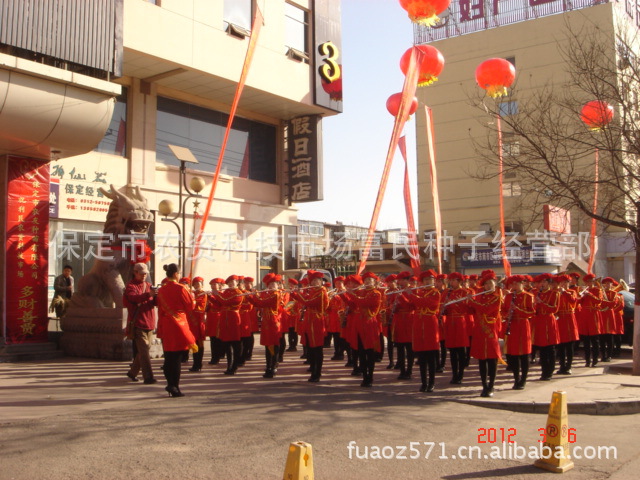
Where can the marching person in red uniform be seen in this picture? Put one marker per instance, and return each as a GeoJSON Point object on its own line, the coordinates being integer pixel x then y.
{"type": "Point", "coordinates": [367, 304]}
{"type": "Point", "coordinates": [517, 310]}
{"type": "Point", "coordinates": [485, 345]}
{"type": "Point", "coordinates": [456, 333]}
{"type": "Point", "coordinates": [387, 314]}
{"type": "Point", "coordinates": [567, 324]}
{"type": "Point", "coordinates": [348, 329]}
{"type": "Point", "coordinates": [442, 288]}
{"type": "Point", "coordinates": [175, 304]}
{"type": "Point", "coordinates": [140, 299]}
{"type": "Point", "coordinates": [589, 318]}
{"type": "Point", "coordinates": [231, 300]}
{"type": "Point", "coordinates": [316, 302]}
{"type": "Point", "coordinates": [291, 320]}
{"type": "Point", "coordinates": [426, 331]}
{"type": "Point", "coordinates": [545, 332]}
{"type": "Point", "coordinates": [300, 325]}
{"type": "Point", "coordinates": [403, 313]}
{"type": "Point", "coordinates": [336, 308]}
{"type": "Point", "coordinates": [214, 311]}
{"type": "Point", "coordinates": [609, 308]}
{"type": "Point", "coordinates": [269, 302]}
{"type": "Point", "coordinates": [246, 312]}
{"type": "Point", "coordinates": [197, 321]}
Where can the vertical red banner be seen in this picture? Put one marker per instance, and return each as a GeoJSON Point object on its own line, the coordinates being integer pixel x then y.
{"type": "Point", "coordinates": [27, 226]}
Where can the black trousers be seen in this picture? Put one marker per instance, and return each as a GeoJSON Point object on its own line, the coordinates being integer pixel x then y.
{"type": "Point", "coordinates": [519, 367]}
{"type": "Point", "coordinates": [458, 362]}
{"type": "Point", "coordinates": [198, 356]}
{"type": "Point", "coordinates": [217, 350]}
{"type": "Point", "coordinates": [488, 369]}
{"type": "Point", "coordinates": [405, 358]}
{"type": "Point", "coordinates": [565, 355]}
{"type": "Point", "coordinates": [338, 344]}
{"type": "Point", "coordinates": [171, 368]}
{"type": "Point", "coordinates": [293, 337]}
{"type": "Point", "coordinates": [271, 358]}
{"type": "Point", "coordinates": [246, 348]}
{"type": "Point", "coordinates": [590, 343]}
{"type": "Point", "coordinates": [316, 358]}
{"type": "Point", "coordinates": [606, 345]}
{"type": "Point", "coordinates": [367, 358]}
{"type": "Point", "coordinates": [233, 350]}
{"type": "Point", "coordinates": [428, 362]}
{"type": "Point", "coordinates": [547, 360]}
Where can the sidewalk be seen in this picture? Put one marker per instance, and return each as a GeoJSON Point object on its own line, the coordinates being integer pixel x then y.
{"type": "Point", "coordinates": [40, 389]}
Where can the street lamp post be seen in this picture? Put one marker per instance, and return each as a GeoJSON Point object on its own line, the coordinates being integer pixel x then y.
{"type": "Point", "coordinates": [165, 207]}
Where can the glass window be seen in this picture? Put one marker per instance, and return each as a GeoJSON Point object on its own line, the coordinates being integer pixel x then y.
{"type": "Point", "coordinates": [115, 140]}
{"type": "Point", "coordinates": [508, 108]}
{"type": "Point", "coordinates": [296, 26]}
{"type": "Point", "coordinates": [251, 148]}
{"type": "Point", "coordinates": [238, 12]}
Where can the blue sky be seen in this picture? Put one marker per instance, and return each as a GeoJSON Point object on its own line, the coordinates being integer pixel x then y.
{"type": "Point", "coordinates": [375, 34]}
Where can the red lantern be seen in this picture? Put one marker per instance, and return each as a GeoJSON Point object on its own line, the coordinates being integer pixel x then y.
{"type": "Point", "coordinates": [596, 114]}
{"type": "Point", "coordinates": [425, 12]}
{"type": "Point", "coordinates": [431, 66]}
{"type": "Point", "coordinates": [334, 89]}
{"type": "Point", "coordinates": [495, 75]}
{"type": "Point", "coordinates": [393, 104]}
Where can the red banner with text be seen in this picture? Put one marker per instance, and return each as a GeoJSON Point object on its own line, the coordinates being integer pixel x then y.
{"type": "Point", "coordinates": [27, 230]}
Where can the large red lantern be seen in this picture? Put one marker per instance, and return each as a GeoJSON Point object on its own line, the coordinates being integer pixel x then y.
{"type": "Point", "coordinates": [596, 114]}
{"type": "Point", "coordinates": [431, 66]}
{"type": "Point", "coordinates": [495, 76]}
{"type": "Point", "coordinates": [425, 12]}
{"type": "Point", "coordinates": [393, 104]}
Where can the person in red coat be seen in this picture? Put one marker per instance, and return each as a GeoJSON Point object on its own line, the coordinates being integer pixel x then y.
{"type": "Point", "coordinates": [456, 333]}
{"type": "Point", "coordinates": [441, 285]}
{"type": "Point", "coordinates": [609, 308]}
{"type": "Point", "coordinates": [214, 311]}
{"type": "Point", "coordinates": [517, 309]}
{"type": "Point", "coordinates": [336, 309]}
{"type": "Point", "coordinates": [403, 313]}
{"type": "Point", "coordinates": [367, 304]}
{"type": "Point", "coordinates": [387, 314]}
{"type": "Point", "coordinates": [290, 320]}
{"type": "Point", "coordinates": [197, 321]}
{"type": "Point", "coordinates": [567, 324]}
{"type": "Point", "coordinates": [348, 328]}
{"type": "Point", "coordinates": [425, 340]}
{"type": "Point", "coordinates": [316, 301]}
{"type": "Point", "coordinates": [269, 303]}
{"type": "Point", "coordinates": [231, 300]}
{"type": "Point", "coordinates": [589, 318]}
{"type": "Point", "coordinates": [545, 335]}
{"type": "Point", "coordinates": [246, 312]}
{"type": "Point", "coordinates": [485, 345]}
{"type": "Point", "coordinates": [140, 300]}
{"type": "Point", "coordinates": [175, 304]}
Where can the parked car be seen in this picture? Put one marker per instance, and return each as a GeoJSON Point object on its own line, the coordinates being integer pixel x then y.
{"type": "Point", "coordinates": [629, 300]}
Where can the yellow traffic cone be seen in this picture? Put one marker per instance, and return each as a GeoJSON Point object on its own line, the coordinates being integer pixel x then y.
{"type": "Point", "coordinates": [299, 462]}
{"type": "Point", "coordinates": [555, 449]}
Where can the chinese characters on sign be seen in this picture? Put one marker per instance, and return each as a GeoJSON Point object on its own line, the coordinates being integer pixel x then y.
{"type": "Point", "coordinates": [27, 250]}
{"type": "Point", "coordinates": [305, 159]}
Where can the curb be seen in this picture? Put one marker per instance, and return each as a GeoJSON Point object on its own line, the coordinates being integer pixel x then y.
{"type": "Point", "coordinates": [598, 407]}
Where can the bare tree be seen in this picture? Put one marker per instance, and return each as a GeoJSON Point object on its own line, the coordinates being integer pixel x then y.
{"type": "Point", "coordinates": [555, 161]}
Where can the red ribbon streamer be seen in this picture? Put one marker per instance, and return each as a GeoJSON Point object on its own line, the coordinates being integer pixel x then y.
{"type": "Point", "coordinates": [408, 92]}
{"type": "Point", "coordinates": [414, 251]}
{"type": "Point", "coordinates": [592, 235]}
{"type": "Point", "coordinates": [253, 40]}
{"type": "Point", "coordinates": [434, 184]}
{"type": "Point", "coordinates": [505, 260]}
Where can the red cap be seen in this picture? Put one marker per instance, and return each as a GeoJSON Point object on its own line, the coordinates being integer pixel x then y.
{"type": "Point", "coordinates": [292, 281]}
{"type": "Point", "coordinates": [474, 276]}
{"type": "Point", "coordinates": [248, 279]}
{"type": "Point", "coordinates": [609, 280]}
{"type": "Point", "coordinates": [269, 278]}
{"type": "Point", "coordinates": [304, 281]}
{"type": "Point", "coordinates": [403, 275]}
{"type": "Point", "coordinates": [216, 280]}
{"type": "Point", "coordinates": [455, 276]}
{"type": "Point", "coordinates": [370, 275]}
{"type": "Point", "coordinates": [391, 278]}
{"type": "Point", "coordinates": [487, 275]}
{"type": "Point", "coordinates": [588, 277]}
{"type": "Point", "coordinates": [232, 277]}
{"type": "Point", "coordinates": [516, 278]}
{"type": "Point", "coordinates": [354, 279]}
{"type": "Point", "coordinates": [528, 278]}
{"type": "Point", "coordinates": [313, 274]}
{"type": "Point", "coordinates": [278, 277]}
{"type": "Point", "coordinates": [544, 277]}
{"type": "Point", "coordinates": [185, 281]}
{"type": "Point", "coordinates": [428, 274]}
{"type": "Point", "coordinates": [197, 279]}
{"type": "Point", "coordinates": [442, 276]}
{"type": "Point", "coordinates": [575, 275]}
{"type": "Point", "coordinates": [338, 279]}
{"type": "Point", "coordinates": [561, 278]}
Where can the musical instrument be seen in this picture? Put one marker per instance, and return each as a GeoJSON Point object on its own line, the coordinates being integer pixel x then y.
{"type": "Point", "coordinates": [510, 313]}
{"type": "Point", "coordinates": [462, 299]}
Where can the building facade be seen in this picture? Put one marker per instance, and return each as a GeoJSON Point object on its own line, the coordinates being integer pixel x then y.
{"type": "Point", "coordinates": [530, 35]}
{"type": "Point", "coordinates": [179, 63]}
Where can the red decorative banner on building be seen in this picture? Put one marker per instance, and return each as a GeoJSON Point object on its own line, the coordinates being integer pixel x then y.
{"type": "Point", "coordinates": [27, 230]}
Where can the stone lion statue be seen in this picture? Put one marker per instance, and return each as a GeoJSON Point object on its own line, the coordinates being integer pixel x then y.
{"type": "Point", "coordinates": [127, 223]}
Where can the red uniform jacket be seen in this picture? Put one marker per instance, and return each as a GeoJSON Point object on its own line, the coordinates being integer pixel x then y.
{"type": "Point", "coordinates": [175, 304]}
{"type": "Point", "coordinates": [545, 331]}
{"type": "Point", "coordinates": [426, 331]}
{"type": "Point", "coordinates": [230, 301]}
{"type": "Point", "coordinates": [456, 327]}
{"type": "Point", "coordinates": [518, 308]}
{"type": "Point", "coordinates": [140, 305]}
{"type": "Point", "coordinates": [487, 325]}
{"type": "Point", "coordinates": [214, 308]}
{"type": "Point", "coordinates": [367, 326]}
{"type": "Point", "coordinates": [269, 302]}
{"type": "Point", "coordinates": [608, 308]}
{"type": "Point", "coordinates": [589, 316]}
{"type": "Point", "coordinates": [316, 302]}
{"type": "Point", "coordinates": [336, 308]}
{"type": "Point", "coordinates": [402, 319]}
{"type": "Point", "coordinates": [567, 324]}
{"type": "Point", "coordinates": [196, 319]}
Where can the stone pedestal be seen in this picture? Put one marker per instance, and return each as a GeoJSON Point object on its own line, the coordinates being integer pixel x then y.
{"type": "Point", "coordinates": [98, 333]}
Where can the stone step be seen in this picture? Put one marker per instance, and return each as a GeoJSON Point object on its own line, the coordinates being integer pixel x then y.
{"type": "Point", "coordinates": [26, 352]}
